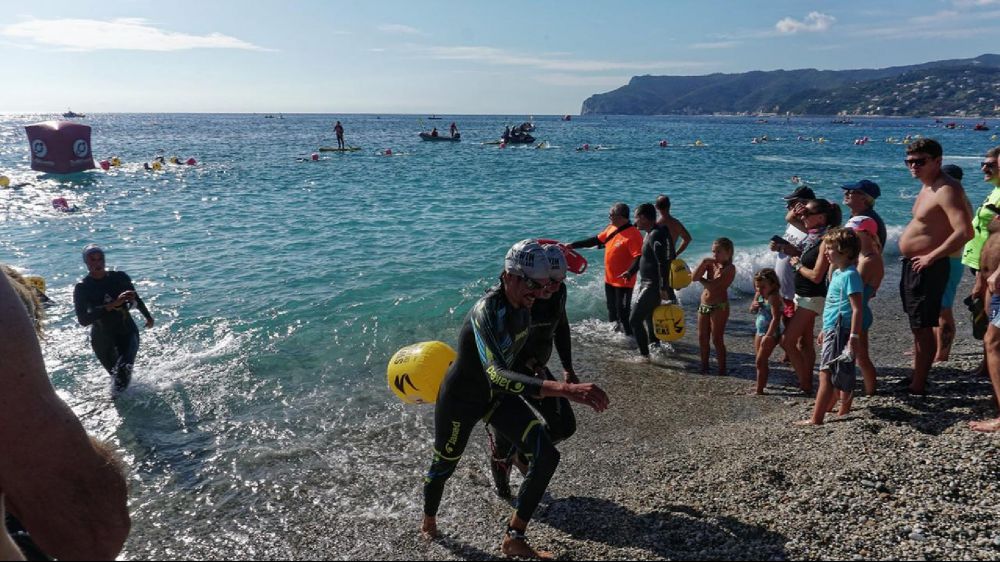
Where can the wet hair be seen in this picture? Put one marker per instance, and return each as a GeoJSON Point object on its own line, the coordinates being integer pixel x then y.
{"type": "Point", "coordinates": [646, 210]}
{"type": "Point", "coordinates": [930, 147]}
{"type": "Point", "coordinates": [28, 297]}
{"type": "Point", "coordinates": [768, 275]}
{"type": "Point", "coordinates": [725, 244]}
{"type": "Point", "coordinates": [844, 241]}
{"type": "Point", "coordinates": [621, 209]}
{"type": "Point", "coordinates": [663, 203]}
{"type": "Point", "coordinates": [993, 152]}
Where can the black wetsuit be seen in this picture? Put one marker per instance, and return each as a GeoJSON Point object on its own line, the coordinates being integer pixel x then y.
{"type": "Point", "coordinates": [113, 334]}
{"type": "Point", "coordinates": [481, 385]}
{"type": "Point", "coordinates": [549, 327]}
{"type": "Point", "coordinates": [654, 274]}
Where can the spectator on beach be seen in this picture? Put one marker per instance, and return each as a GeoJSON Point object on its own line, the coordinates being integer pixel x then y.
{"type": "Point", "coordinates": [815, 217]}
{"type": "Point", "coordinates": [871, 267]}
{"type": "Point", "coordinates": [794, 236]}
{"type": "Point", "coordinates": [716, 274]}
{"type": "Point", "coordinates": [622, 244]}
{"type": "Point", "coordinates": [676, 227]}
{"type": "Point", "coordinates": [980, 222]}
{"type": "Point", "coordinates": [842, 320]}
{"type": "Point", "coordinates": [103, 300]}
{"type": "Point", "coordinates": [481, 384]}
{"type": "Point", "coordinates": [988, 277]}
{"type": "Point", "coordinates": [653, 267]}
{"type": "Point", "coordinates": [767, 306]}
{"type": "Point", "coordinates": [339, 129]}
{"type": "Point", "coordinates": [944, 333]}
{"type": "Point", "coordinates": [860, 198]}
{"type": "Point", "coordinates": [940, 227]}
{"type": "Point", "coordinates": [65, 489]}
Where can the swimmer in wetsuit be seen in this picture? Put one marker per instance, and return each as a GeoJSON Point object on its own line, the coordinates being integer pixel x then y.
{"type": "Point", "coordinates": [102, 301]}
{"type": "Point", "coordinates": [549, 328]}
{"type": "Point", "coordinates": [481, 385]}
{"type": "Point", "coordinates": [653, 267]}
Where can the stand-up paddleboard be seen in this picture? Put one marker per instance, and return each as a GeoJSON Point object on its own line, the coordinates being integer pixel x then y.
{"type": "Point", "coordinates": [335, 149]}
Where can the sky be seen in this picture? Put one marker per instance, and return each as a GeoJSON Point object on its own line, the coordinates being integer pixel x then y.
{"type": "Point", "coordinates": [446, 57]}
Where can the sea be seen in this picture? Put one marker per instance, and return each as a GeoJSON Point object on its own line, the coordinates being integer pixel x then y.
{"type": "Point", "coordinates": [281, 286]}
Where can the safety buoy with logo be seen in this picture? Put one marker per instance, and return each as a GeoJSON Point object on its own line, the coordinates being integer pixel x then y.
{"type": "Point", "coordinates": [416, 371]}
{"type": "Point", "coordinates": [668, 322]}
{"type": "Point", "coordinates": [680, 275]}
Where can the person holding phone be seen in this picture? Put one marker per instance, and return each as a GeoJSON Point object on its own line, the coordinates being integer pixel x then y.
{"type": "Point", "coordinates": [789, 245]}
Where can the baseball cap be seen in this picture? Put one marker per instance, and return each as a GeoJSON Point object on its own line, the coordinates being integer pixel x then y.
{"type": "Point", "coordinates": [527, 259]}
{"type": "Point", "coordinates": [863, 224]}
{"type": "Point", "coordinates": [802, 192]}
{"type": "Point", "coordinates": [869, 188]}
{"type": "Point", "coordinates": [557, 261]}
{"type": "Point", "coordinates": [953, 171]}
{"type": "Point", "coordinates": [91, 249]}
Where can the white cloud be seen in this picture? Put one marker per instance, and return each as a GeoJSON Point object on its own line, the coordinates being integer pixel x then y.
{"type": "Point", "coordinates": [716, 45]}
{"type": "Point", "coordinates": [399, 29]}
{"type": "Point", "coordinates": [814, 22]}
{"type": "Point", "coordinates": [937, 18]}
{"type": "Point", "coordinates": [492, 55]}
{"type": "Point", "coordinates": [130, 34]}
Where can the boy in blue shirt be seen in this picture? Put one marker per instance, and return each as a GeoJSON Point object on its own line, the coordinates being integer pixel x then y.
{"type": "Point", "coordinates": [842, 321]}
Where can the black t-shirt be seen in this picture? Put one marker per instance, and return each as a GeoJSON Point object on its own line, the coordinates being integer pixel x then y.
{"type": "Point", "coordinates": [803, 286]}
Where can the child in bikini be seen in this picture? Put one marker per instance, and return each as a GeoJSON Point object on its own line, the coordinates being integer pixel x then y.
{"type": "Point", "coordinates": [767, 305]}
{"type": "Point", "coordinates": [716, 274]}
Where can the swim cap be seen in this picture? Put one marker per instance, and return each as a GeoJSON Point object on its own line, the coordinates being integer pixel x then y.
{"type": "Point", "coordinates": [557, 261]}
{"type": "Point", "coordinates": [528, 259]}
{"type": "Point", "coordinates": [863, 224]}
{"type": "Point", "coordinates": [91, 249]}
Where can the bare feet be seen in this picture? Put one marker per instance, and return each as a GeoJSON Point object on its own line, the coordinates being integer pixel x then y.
{"type": "Point", "coordinates": [521, 549]}
{"type": "Point", "coordinates": [429, 528]}
{"type": "Point", "coordinates": [755, 390]}
{"type": "Point", "coordinates": [806, 422]}
{"type": "Point", "coordinates": [985, 426]}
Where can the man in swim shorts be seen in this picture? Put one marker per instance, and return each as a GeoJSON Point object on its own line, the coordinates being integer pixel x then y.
{"type": "Point", "coordinates": [481, 384]}
{"type": "Point", "coordinates": [622, 245]}
{"type": "Point", "coordinates": [941, 225]}
{"type": "Point", "coordinates": [549, 328]}
{"type": "Point", "coordinates": [653, 267]}
{"type": "Point", "coordinates": [103, 300]}
{"type": "Point", "coordinates": [945, 332]}
{"type": "Point", "coordinates": [676, 227]}
{"type": "Point", "coordinates": [339, 129]}
{"type": "Point", "coordinates": [989, 273]}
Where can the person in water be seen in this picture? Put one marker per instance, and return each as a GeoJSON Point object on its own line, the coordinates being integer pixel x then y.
{"type": "Point", "coordinates": [549, 329]}
{"type": "Point", "coordinates": [675, 226]}
{"type": "Point", "coordinates": [453, 130]}
{"type": "Point", "coordinates": [622, 244]}
{"type": "Point", "coordinates": [481, 384]}
{"type": "Point", "coordinates": [716, 274]}
{"type": "Point", "coordinates": [339, 129]}
{"type": "Point", "coordinates": [102, 301]}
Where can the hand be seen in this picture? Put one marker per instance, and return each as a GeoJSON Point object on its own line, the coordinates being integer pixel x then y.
{"type": "Point", "coordinates": [626, 275]}
{"type": "Point", "coordinates": [993, 282]}
{"type": "Point", "coordinates": [664, 295]}
{"type": "Point", "coordinates": [569, 376]}
{"type": "Point", "coordinates": [589, 394]}
{"type": "Point", "coordinates": [794, 261]}
{"type": "Point", "coordinates": [921, 263]}
{"type": "Point", "coordinates": [707, 262]}
{"type": "Point", "coordinates": [755, 307]}
{"type": "Point", "coordinates": [819, 339]}
{"type": "Point", "coordinates": [127, 296]}
{"type": "Point", "coordinates": [149, 323]}
{"type": "Point", "coordinates": [775, 247]}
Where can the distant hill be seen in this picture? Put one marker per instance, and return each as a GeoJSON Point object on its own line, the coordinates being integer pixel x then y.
{"type": "Point", "coordinates": [949, 87]}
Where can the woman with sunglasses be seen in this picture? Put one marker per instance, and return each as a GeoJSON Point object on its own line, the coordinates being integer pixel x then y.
{"type": "Point", "coordinates": [815, 217]}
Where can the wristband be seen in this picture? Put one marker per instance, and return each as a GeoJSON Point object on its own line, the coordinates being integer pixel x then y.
{"type": "Point", "coordinates": [855, 336]}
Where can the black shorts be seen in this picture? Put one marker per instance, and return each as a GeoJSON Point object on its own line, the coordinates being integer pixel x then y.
{"type": "Point", "coordinates": [921, 292]}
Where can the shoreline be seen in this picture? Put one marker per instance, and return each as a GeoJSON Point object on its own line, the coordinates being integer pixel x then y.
{"type": "Point", "coordinates": [686, 466]}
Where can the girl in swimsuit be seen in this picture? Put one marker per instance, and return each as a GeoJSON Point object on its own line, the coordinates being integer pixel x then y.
{"type": "Point", "coordinates": [716, 274]}
{"type": "Point", "coordinates": [767, 305]}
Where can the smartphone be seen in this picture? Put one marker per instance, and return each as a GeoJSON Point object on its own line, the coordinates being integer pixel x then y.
{"type": "Point", "coordinates": [779, 240]}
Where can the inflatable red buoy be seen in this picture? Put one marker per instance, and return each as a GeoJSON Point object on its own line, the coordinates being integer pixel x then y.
{"type": "Point", "coordinates": [60, 147]}
{"type": "Point", "coordinates": [60, 204]}
{"type": "Point", "coordinates": [575, 262]}
{"type": "Point", "coordinates": [663, 143]}
{"type": "Point", "coordinates": [105, 165]}
{"type": "Point", "coordinates": [315, 157]}
{"type": "Point", "coordinates": [191, 162]}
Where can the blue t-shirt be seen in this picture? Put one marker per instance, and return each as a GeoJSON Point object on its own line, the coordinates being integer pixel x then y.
{"type": "Point", "coordinates": [844, 283]}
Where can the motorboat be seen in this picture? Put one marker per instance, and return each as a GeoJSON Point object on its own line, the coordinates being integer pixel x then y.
{"type": "Point", "coordinates": [430, 137]}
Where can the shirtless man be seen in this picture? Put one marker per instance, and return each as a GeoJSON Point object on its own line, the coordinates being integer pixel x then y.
{"type": "Point", "coordinates": [989, 279]}
{"type": "Point", "coordinates": [941, 225]}
{"type": "Point", "coordinates": [65, 491]}
{"type": "Point", "coordinates": [675, 226]}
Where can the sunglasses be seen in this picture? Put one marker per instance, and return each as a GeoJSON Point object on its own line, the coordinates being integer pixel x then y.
{"type": "Point", "coordinates": [535, 285]}
{"type": "Point", "coordinates": [987, 165]}
{"type": "Point", "coordinates": [853, 192]}
{"type": "Point", "coordinates": [915, 162]}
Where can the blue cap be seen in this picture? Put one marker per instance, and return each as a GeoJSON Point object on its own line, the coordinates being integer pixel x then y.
{"type": "Point", "coordinates": [869, 188]}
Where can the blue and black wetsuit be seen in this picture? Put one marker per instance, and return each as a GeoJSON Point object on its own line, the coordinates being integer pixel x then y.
{"type": "Point", "coordinates": [654, 274]}
{"type": "Point", "coordinates": [113, 334]}
{"type": "Point", "coordinates": [482, 385]}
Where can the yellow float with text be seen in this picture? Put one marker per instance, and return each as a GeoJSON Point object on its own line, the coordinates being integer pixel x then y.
{"type": "Point", "coordinates": [668, 322]}
{"type": "Point", "coordinates": [680, 275]}
{"type": "Point", "coordinates": [416, 371]}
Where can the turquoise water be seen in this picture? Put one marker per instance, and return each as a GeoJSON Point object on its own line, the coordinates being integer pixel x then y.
{"type": "Point", "coordinates": [281, 288]}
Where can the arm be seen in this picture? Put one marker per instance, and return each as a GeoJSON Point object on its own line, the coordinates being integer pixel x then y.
{"type": "Point", "coordinates": [699, 272]}
{"type": "Point", "coordinates": [685, 238]}
{"type": "Point", "coordinates": [952, 202]}
{"type": "Point", "coordinates": [754, 305]}
{"type": "Point", "coordinates": [632, 269]}
{"type": "Point", "coordinates": [496, 353]}
{"type": "Point", "coordinates": [817, 274]}
{"type": "Point", "coordinates": [662, 252]}
{"type": "Point", "coordinates": [777, 307]}
{"type": "Point", "coordinates": [564, 347]}
{"type": "Point", "coordinates": [73, 503]}
{"type": "Point", "coordinates": [723, 281]}
{"type": "Point", "coordinates": [85, 314]}
{"type": "Point", "coordinates": [586, 243]}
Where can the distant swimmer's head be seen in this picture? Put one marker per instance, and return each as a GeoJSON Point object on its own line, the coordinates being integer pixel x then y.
{"type": "Point", "coordinates": [93, 256]}
{"type": "Point", "coordinates": [526, 273]}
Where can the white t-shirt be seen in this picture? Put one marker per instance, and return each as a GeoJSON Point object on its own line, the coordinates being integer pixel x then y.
{"type": "Point", "coordinates": [786, 275]}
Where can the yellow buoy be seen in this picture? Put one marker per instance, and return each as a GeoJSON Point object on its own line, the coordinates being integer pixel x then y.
{"type": "Point", "coordinates": [416, 371]}
{"type": "Point", "coordinates": [157, 166]}
{"type": "Point", "coordinates": [116, 161]}
{"type": "Point", "coordinates": [36, 281]}
{"type": "Point", "coordinates": [680, 275]}
{"type": "Point", "coordinates": [4, 181]}
{"type": "Point", "coordinates": [668, 322]}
